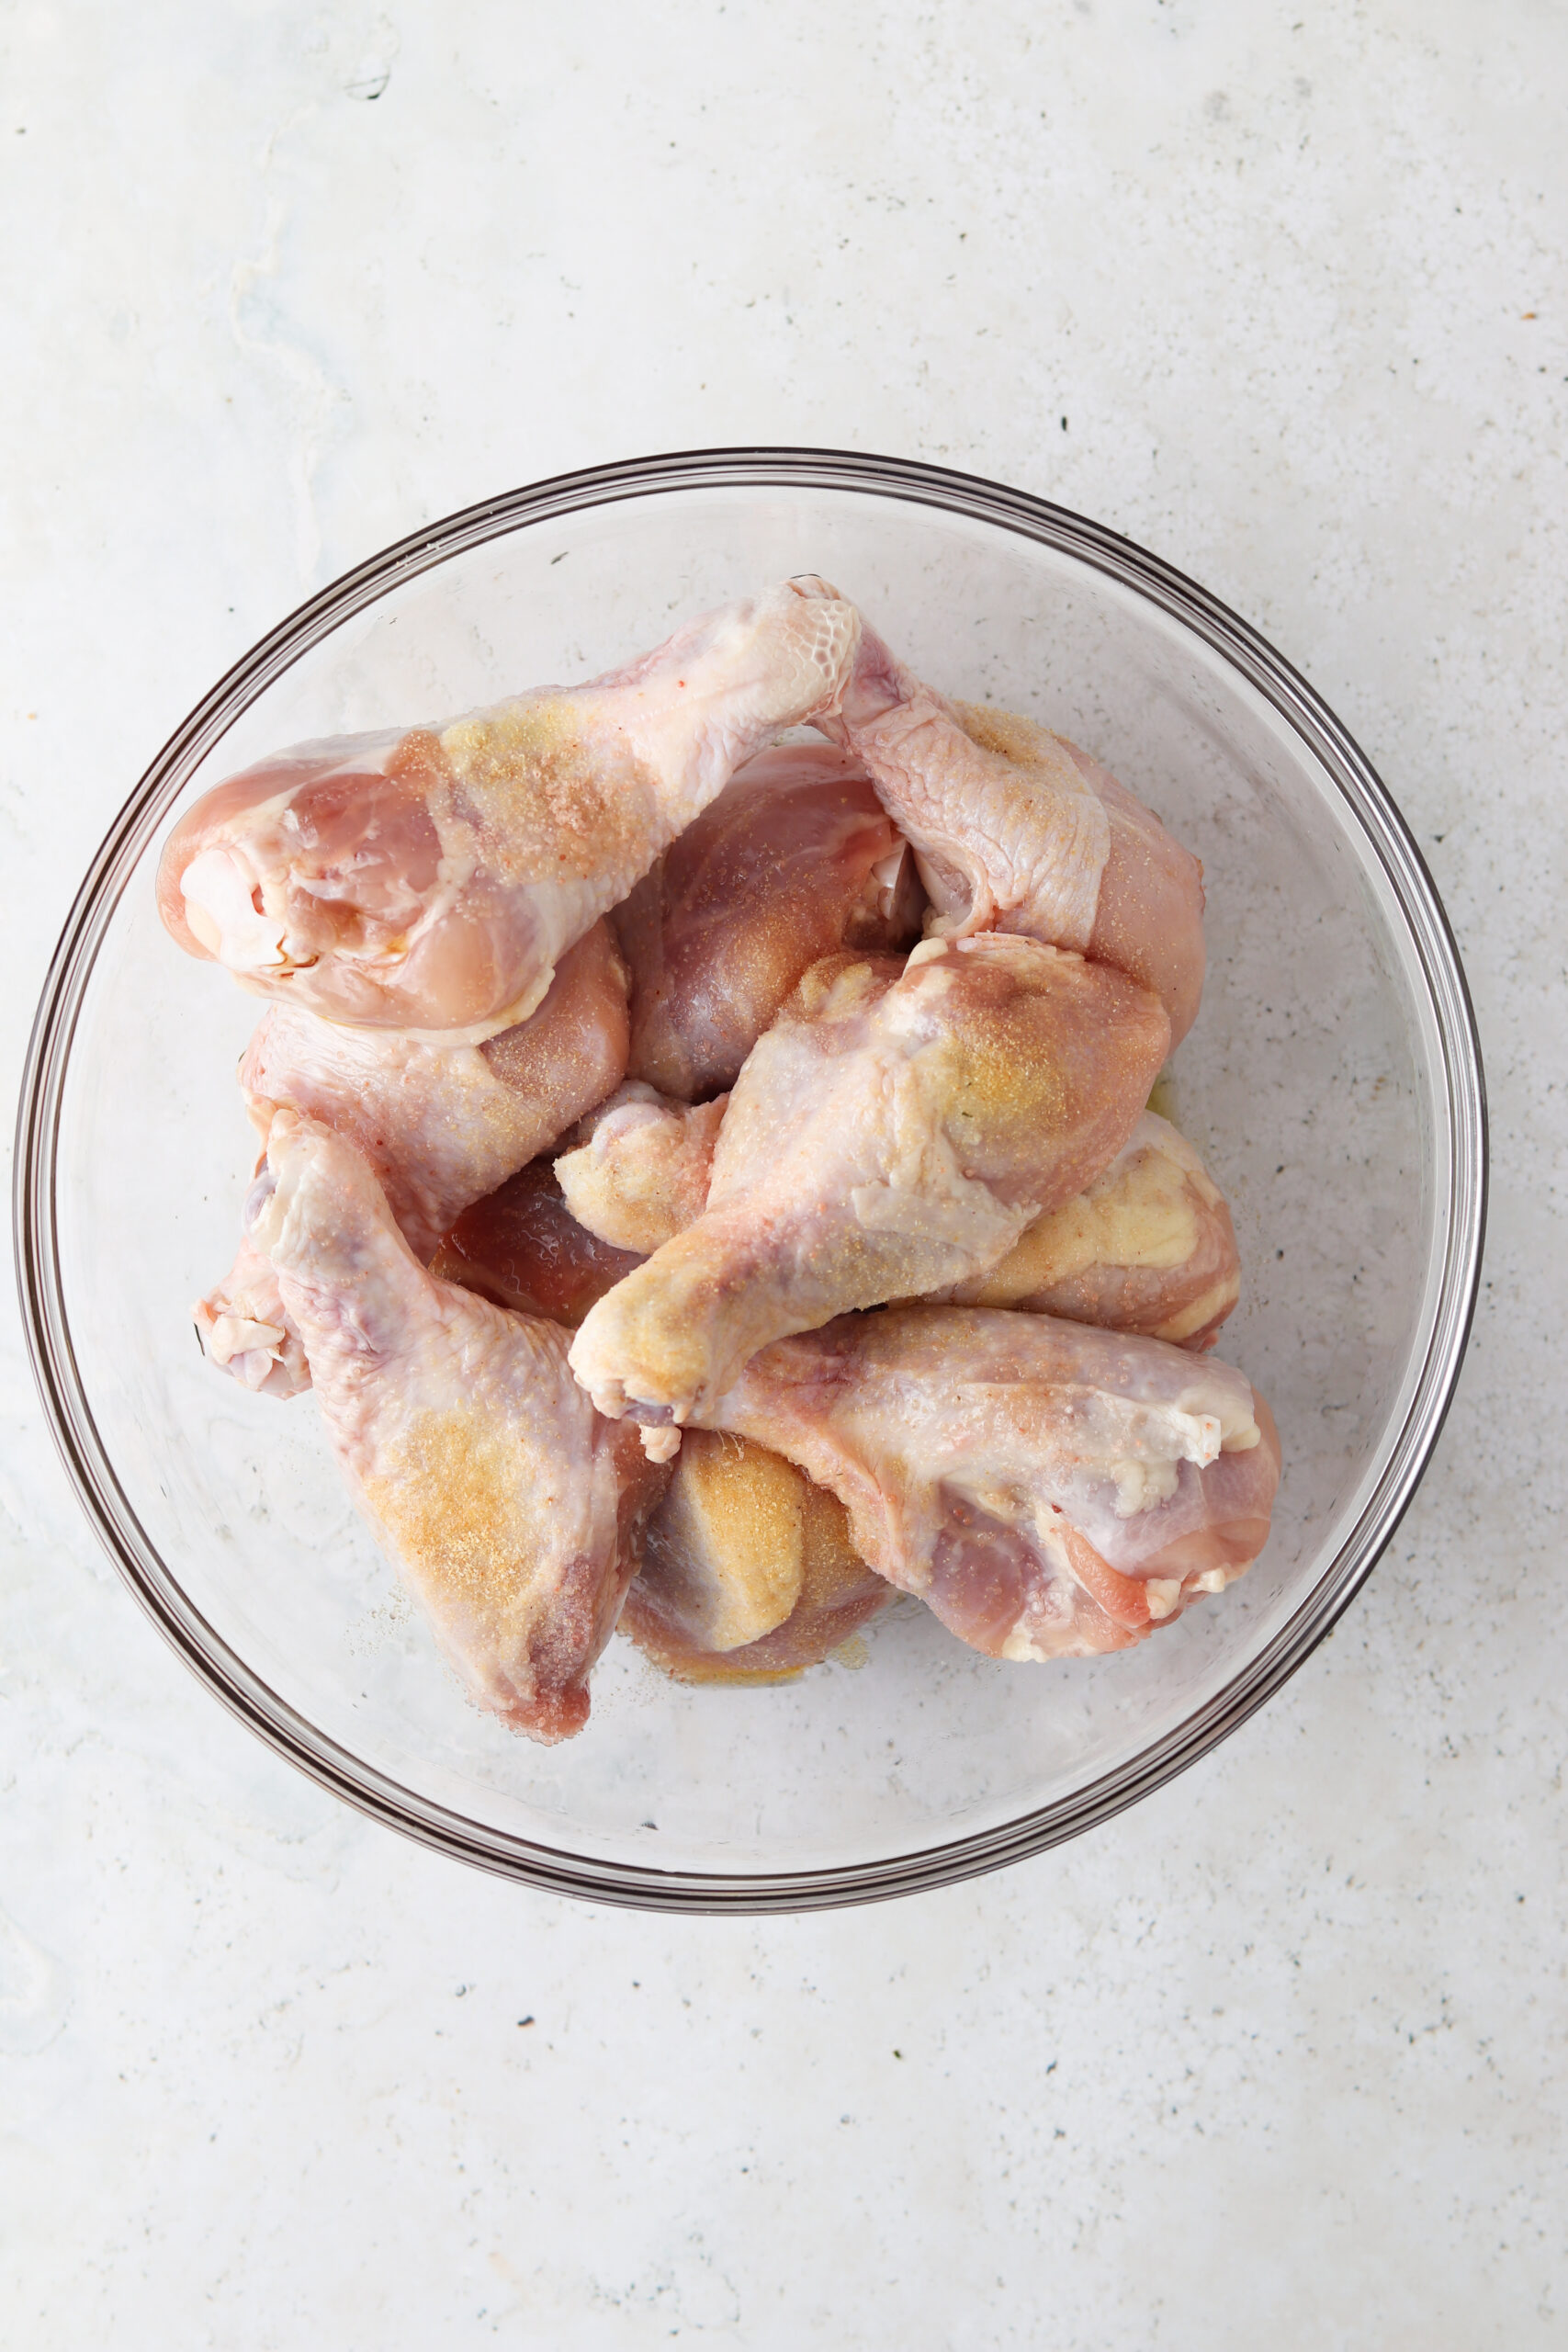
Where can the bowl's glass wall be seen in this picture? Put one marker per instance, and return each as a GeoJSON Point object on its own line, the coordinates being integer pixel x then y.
{"type": "Point", "coordinates": [1307, 1084]}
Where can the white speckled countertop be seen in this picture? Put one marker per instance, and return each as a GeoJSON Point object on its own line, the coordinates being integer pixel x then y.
{"type": "Point", "coordinates": [1278, 291]}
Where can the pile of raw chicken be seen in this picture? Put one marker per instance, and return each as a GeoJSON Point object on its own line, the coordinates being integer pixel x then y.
{"type": "Point", "coordinates": [706, 1173]}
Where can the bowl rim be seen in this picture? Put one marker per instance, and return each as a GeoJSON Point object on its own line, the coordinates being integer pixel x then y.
{"type": "Point", "coordinates": [637, 1884]}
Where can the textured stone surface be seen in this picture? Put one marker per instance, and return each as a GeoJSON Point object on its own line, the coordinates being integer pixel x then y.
{"type": "Point", "coordinates": [1279, 2055]}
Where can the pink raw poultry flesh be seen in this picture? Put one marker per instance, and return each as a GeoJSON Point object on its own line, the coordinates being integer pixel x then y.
{"type": "Point", "coordinates": [430, 879]}
{"type": "Point", "coordinates": [791, 1122]}
{"type": "Point", "coordinates": [896, 1129]}
{"type": "Point", "coordinates": [797, 857]}
{"type": "Point", "coordinates": [521, 1247]}
{"type": "Point", "coordinates": [1048, 1490]}
{"type": "Point", "coordinates": [748, 1573]}
{"type": "Point", "coordinates": [441, 1126]}
{"type": "Point", "coordinates": [1147, 1247]}
{"type": "Point", "coordinates": [1018, 829]}
{"type": "Point", "coordinates": [514, 1513]}
{"type": "Point", "coordinates": [639, 1168]}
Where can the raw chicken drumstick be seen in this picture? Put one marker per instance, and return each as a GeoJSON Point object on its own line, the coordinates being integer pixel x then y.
{"type": "Point", "coordinates": [641, 1172]}
{"type": "Point", "coordinates": [747, 1574]}
{"type": "Point", "coordinates": [797, 857]}
{"type": "Point", "coordinates": [513, 1512]}
{"type": "Point", "coordinates": [522, 1248]}
{"type": "Point", "coordinates": [245, 1329]}
{"type": "Point", "coordinates": [441, 1126]}
{"type": "Point", "coordinates": [1148, 1246]}
{"type": "Point", "coordinates": [1017, 829]}
{"type": "Point", "coordinates": [896, 1129]}
{"type": "Point", "coordinates": [1049, 1490]}
{"type": "Point", "coordinates": [553, 1241]}
{"type": "Point", "coordinates": [431, 879]}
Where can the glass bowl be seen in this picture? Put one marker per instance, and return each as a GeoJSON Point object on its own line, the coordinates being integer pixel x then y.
{"type": "Point", "coordinates": [1333, 1083]}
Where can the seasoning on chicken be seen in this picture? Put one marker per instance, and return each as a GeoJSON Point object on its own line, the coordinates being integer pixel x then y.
{"type": "Point", "coordinates": [795, 859]}
{"type": "Point", "coordinates": [1047, 1489]}
{"type": "Point", "coordinates": [431, 879]}
{"type": "Point", "coordinates": [1016, 829]}
{"type": "Point", "coordinates": [515, 1514]}
{"type": "Point", "coordinates": [748, 1573]}
{"type": "Point", "coordinates": [893, 1131]}
{"type": "Point", "coordinates": [1147, 1247]}
{"type": "Point", "coordinates": [640, 1174]}
{"type": "Point", "coordinates": [1028, 1434]}
{"type": "Point", "coordinates": [441, 1126]}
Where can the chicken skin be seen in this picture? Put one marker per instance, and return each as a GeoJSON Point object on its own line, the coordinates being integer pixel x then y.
{"type": "Point", "coordinates": [515, 1514]}
{"type": "Point", "coordinates": [522, 1248]}
{"type": "Point", "coordinates": [1017, 829]}
{"type": "Point", "coordinates": [641, 1172]}
{"type": "Point", "coordinates": [1147, 1247]}
{"type": "Point", "coordinates": [1049, 1490]}
{"type": "Point", "coordinates": [748, 1573]}
{"type": "Point", "coordinates": [441, 1126]}
{"type": "Point", "coordinates": [429, 880]}
{"type": "Point", "coordinates": [894, 1131]}
{"type": "Point", "coordinates": [795, 858]}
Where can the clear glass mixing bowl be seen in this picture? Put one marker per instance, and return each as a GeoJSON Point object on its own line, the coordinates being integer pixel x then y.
{"type": "Point", "coordinates": [1333, 1083]}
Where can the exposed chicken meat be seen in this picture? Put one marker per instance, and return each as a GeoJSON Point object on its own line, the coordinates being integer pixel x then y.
{"type": "Point", "coordinates": [1148, 1246]}
{"type": "Point", "coordinates": [441, 1126]}
{"type": "Point", "coordinates": [748, 1573]}
{"type": "Point", "coordinates": [515, 1514]}
{"type": "Point", "coordinates": [1016, 829]}
{"type": "Point", "coordinates": [1049, 1490]}
{"type": "Point", "coordinates": [247, 1330]}
{"type": "Point", "coordinates": [522, 1248]}
{"type": "Point", "coordinates": [640, 1175]}
{"type": "Point", "coordinates": [894, 1130]}
{"type": "Point", "coordinates": [430, 880]}
{"type": "Point", "coordinates": [795, 858]}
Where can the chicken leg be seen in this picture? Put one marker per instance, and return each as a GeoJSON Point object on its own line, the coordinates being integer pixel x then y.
{"type": "Point", "coordinates": [1147, 1247]}
{"type": "Point", "coordinates": [795, 859]}
{"type": "Point", "coordinates": [894, 1130]}
{"type": "Point", "coordinates": [430, 879]}
{"type": "Point", "coordinates": [748, 1573]}
{"type": "Point", "coordinates": [1017, 829]}
{"type": "Point", "coordinates": [513, 1512]}
{"type": "Point", "coordinates": [1049, 1490]}
{"type": "Point", "coordinates": [441, 1126]}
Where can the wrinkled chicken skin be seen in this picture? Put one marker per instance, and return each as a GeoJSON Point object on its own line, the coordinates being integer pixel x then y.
{"type": "Point", "coordinates": [1016, 829]}
{"type": "Point", "coordinates": [640, 1175]}
{"type": "Point", "coordinates": [894, 1130]}
{"type": "Point", "coordinates": [1148, 1248]}
{"type": "Point", "coordinates": [795, 858]}
{"type": "Point", "coordinates": [522, 1248]}
{"type": "Point", "coordinates": [1048, 1490]}
{"type": "Point", "coordinates": [749, 1575]}
{"type": "Point", "coordinates": [441, 1126]}
{"type": "Point", "coordinates": [515, 1514]}
{"type": "Point", "coordinates": [430, 880]}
